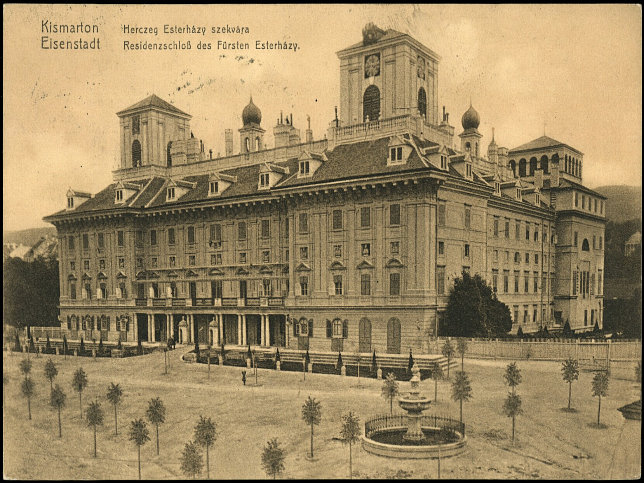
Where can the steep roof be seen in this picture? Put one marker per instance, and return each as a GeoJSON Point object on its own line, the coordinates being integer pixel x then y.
{"type": "Point", "coordinates": [152, 101]}
{"type": "Point", "coordinates": [540, 143]}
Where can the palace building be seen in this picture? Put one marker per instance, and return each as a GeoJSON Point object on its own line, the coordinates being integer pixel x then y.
{"type": "Point", "coordinates": [349, 243]}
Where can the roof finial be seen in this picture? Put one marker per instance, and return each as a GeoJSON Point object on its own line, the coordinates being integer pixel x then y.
{"type": "Point", "coordinates": [492, 134]}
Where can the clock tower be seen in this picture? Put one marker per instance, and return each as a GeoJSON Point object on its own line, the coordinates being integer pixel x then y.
{"type": "Point", "coordinates": [388, 74]}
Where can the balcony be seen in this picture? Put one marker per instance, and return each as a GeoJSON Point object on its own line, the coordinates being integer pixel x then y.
{"type": "Point", "coordinates": [275, 301]}
{"type": "Point", "coordinates": [252, 301]}
{"type": "Point", "coordinates": [229, 302]}
{"type": "Point", "coordinates": [158, 303]}
{"type": "Point", "coordinates": [141, 302]}
{"type": "Point", "coordinates": [202, 302]}
{"type": "Point", "coordinates": [178, 302]}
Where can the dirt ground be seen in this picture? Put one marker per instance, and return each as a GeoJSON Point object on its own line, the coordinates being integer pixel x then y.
{"type": "Point", "coordinates": [550, 443]}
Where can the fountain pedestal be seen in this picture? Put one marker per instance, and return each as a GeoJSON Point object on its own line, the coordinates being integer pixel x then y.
{"type": "Point", "coordinates": [414, 404]}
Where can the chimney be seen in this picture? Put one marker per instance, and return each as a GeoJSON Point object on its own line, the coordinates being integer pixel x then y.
{"type": "Point", "coordinates": [229, 141]}
{"type": "Point", "coordinates": [554, 177]}
{"type": "Point", "coordinates": [210, 150]}
{"type": "Point", "coordinates": [309, 133]}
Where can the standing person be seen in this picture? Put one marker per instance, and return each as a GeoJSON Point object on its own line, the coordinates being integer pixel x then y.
{"type": "Point", "coordinates": [244, 377]}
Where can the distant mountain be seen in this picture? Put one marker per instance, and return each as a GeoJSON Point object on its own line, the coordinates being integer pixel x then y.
{"type": "Point", "coordinates": [624, 202]}
{"type": "Point", "coordinates": [27, 237]}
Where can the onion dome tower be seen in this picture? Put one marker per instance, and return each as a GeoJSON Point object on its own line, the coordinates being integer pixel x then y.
{"type": "Point", "coordinates": [470, 137]}
{"type": "Point", "coordinates": [251, 135]}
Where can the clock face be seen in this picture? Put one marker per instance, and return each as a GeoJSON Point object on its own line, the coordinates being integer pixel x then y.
{"type": "Point", "coordinates": [372, 65]}
{"type": "Point", "coordinates": [420, 67]}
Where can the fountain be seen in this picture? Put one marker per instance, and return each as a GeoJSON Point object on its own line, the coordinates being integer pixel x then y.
{"type": "Point", "coordinates": [414, 435]}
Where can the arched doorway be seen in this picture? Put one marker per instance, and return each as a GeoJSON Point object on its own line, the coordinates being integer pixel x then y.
{"type": "Point", "coordinates": [364, 335]}
{"type": "Point", "coordinates": [393, 336]}
{"type": "Point", "coordinates": [371, 104]}
{"type": "Point", "coordinates": [522, 166]}
{"type": "Point", "coordinates": [422, 102]}
{"type": "Point", "coordinates": [136, 154]}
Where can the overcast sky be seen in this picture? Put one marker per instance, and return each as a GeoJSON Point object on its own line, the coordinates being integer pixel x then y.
{"type": "Point", "coordinates": [578, 69]}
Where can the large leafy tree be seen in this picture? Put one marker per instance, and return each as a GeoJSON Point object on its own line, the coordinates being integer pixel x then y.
{"type": "Point", "coordinates": [156, 415]}
{"type": "Point", "coordinates": [350, 434]}
{"type": "Point", "coordinates": [474, 311]}
{"type": "Point", "coordinates": [191, 460]}
{"type": "Point", "coordinates": [312, 415]}
{"type": "Point", "coordinates": [461, 390]}
{"type": "Point", "coordinates": [114, 396]}
{"type": "Point", "coordinates": [600, 388]}
{"type": "Point", "coordinates": [390, 390]}
{"type": "Point", "coordinates": [57, 401]}
{"type": "Point", "coordinates": [206, 435]}
{"type": "Point", "coordinates": [139, 435]}
{"type": "Point", "coordinates": [79, 382]}
{"type": "Point", "coordinates": [570, 373]}
{"type": "Point", "coordinates": [51, 372]}
{"type": "Point", "coordinates": [273, 458]}
{"type": "Point", "coordinates": [94, 419]}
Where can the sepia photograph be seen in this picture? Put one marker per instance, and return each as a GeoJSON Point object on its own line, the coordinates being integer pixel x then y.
{"type": "Point", "coordinates": [322, 241]}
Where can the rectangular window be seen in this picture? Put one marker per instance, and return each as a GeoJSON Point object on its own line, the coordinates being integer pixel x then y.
{"type": "Point", "coordinates": [394, 214]}
{"type": "Point", "coordinates": [191, 235]}
{"type": "Point", "coordinates": [527, 231]}
{"type": "Point", "coordinates": [304, 223]}
{"type": "Point", "coordinates": [267, 290]}
{"type": "Point", "coordinates": [468, 216]}
{"type": "Point", "coordinates": [215, 259]}
{"type": "Point", "coordinates": [101, 264]}
{"type": "Point", "coordinates": [365, 284]}
{"type": "Point", "coordinates": [535, 279]}
{"type": "Point", "coordinates": [516, 314]}
{"type": "Point", "coordinates": [583, 204]}
{"type": "Point", "coordinates": [101, 241]}
{"type": "Point", "coordinates": [365, 249]}
{"type": "Point", "coordinates": [517, 257]}
{"type": "Point", "coordinates": [441, 214]}
{"type": "Point", "coordinates": [536, 235]}
{"type": "Point", "coordinates": [601, 243]}
{"type": "Point", "coordinates": [395, 247]}
{"type": "Point", "coordinates": [516, 281]}
{"type": "Point", "coordinates": [526, 282]}
{"type": "Point", "coordinates": [170, 236]}
{"type": "Point", "coordinates": [517, 231]}
{"type": "Point", "coordinates": [495, 280]}
{"type": "Point", "coordinates": [599, 282]}
{"type": "Point", "coordinates": [72, 266]}
{"type": "Point", "coordinates": [575, 276]}
{"type": "Point", "coordinates": [525, 314]}
{"type": "Point", "coordinates": [215, 235]}
{"type": "Point", "coordinates": [440, 280]}
{"type": "Point", "coordinates": [214, 187]}
{"type": "Point", "coordinates": [85, 264]}
{"type": "Point", "coordinates": [527, 257]}
{"type": "Point", "coordinates": [139, 263]}
{"type": "Point", "coordinates": [304, 253]}
{"type": "Point", "coordinates": [576, 199]}
{"type": "Point", "coordinates": [266, 228]}
{"type": "Point", "coordinates": [121, 262]}
{"type": "Point", "coordinates": [216, 289]}
{"type": "Point", "coordinates": [574, 242]}
{"type": "Point", "coordinates": [241, 230]}
{"type": "Point", "coordinates": [496, 227]}
{"type": "Point", "coordinates": [123, 290]}
{"type": "Point", "coordinates": [242, 257]}
{"type": "Point", "coordinates": [536, 258]}
{"type": "Point", "coordinates": [139, 238]}
{"type": "Point", "coordinates": [496, 256]}
{"type": "Point", "coordinates": [192, 260]}
{"type": "Point", "coordinates": [85, 241]}
{"type": "Point", "coordinates": [304, 285]}
{"type": "Point", "coordinates": [153, 237]}
{"type": "Point", "coordinates": [70, 242]}
{"type": "Point", "coordinates": [507, 228]}
{"type": "Point", "coordinates": [120, 238]}
{"type": "Point", "coordinates": [88, 291]}
{"type": "Point", "coordinates": [394, 284]}
{"type": "Point", "coordinates": [441, 248]}
{"type": "Point", "coordinates": [103, 289]}
{"type": "Point", "coordinates": [506, 280]}
{"type": "Point", "coordinates": [585, 317]}
{"type": "Point", "coordinates": [365, 217]}
{"type": "Point", "coordinates": [72, 290]}
{"type": "Point", "coordinates": [266, 256]}
{"type": "Point", "coordinates": [595, 205]}
{"type": "Point", "coordinates": [467, 250]}
{"type": "Point", "coordinates": [337, 219]}
{"type": "Point", "coordinates": [337, 251]}
{"type": "Point", "coordinates": [337, 283]}
{"type": "Point", "coordinates": [172, 261]}
{"type": "Point", "coordinates": [594, 242]}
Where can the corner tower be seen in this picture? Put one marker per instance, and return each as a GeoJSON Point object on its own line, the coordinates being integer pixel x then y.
{"type": "Point", "coordinates": [387, 74]}
{"type": "Point", "coordinates": [251, 136]}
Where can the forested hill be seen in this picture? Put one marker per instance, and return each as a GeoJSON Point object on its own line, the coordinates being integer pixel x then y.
{"type": "Point", "coordinates": [624, 202]}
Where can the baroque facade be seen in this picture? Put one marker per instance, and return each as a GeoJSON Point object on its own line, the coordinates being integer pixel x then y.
{"type": "Point", "coordinates": [347, 243]}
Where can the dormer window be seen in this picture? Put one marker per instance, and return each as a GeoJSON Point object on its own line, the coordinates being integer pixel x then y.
{"type": "Point", "coordinates": [497, 187]}
{"type": "Point", "coordinates": [70, 202]}
{"type": "Point", "coordinates": [537, 199]}
{"type": "Point", "coordinates": [214, 187]}
{"type": "Point", "coordinates": [264, 180]}
{"type": "Point", "coordinates": [519, 194]}
{"type": "Point", "coordinates": [304, 167]}
{"type": "Point", "coordinates": [119, 196]}
{"type": "Point", "coordinates": [468, 170]}
{"type": "Point", "coordinates": [396, 154]}
{"type": "Point", "coordinates": [443, 162]}
{"type": "Point", "coordinates": [171, 193]}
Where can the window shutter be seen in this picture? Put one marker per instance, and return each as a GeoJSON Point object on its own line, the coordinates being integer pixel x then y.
{"type": "Point", "coordinates": [310, 327]}
{"type": "Point", "coordinates": [345, 329]}
{"type": "Point", "coordinates": [329, 329]}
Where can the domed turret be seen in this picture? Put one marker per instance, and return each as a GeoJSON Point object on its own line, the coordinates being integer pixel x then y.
{"type": "Point", "coordinates": [251, 114]}
{"type": "Point", "coordinates": [470, 119]}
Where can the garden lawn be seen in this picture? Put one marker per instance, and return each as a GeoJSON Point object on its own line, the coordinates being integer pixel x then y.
{"type": "Point", "coordinates": [549, 443]}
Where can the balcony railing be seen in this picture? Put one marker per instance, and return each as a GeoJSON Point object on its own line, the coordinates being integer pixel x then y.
{"type": "Point", "coordinates": [252, 302]}
{"type": "Point", "coordinates": [275, 301]}
{"type": "Point", "coordinates": [141, 302]}
{"type": "Point", "coordinates": [178, 302]}
{"type": "Point", "coordinates": [201, 302]}
{"type": "Point", "coordinates": [158, 303]}
{"type": "Point", "coordinates": [229, 302]}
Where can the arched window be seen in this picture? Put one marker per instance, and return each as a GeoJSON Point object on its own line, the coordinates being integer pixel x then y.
{"type": "Point", "coordinates": [566, 163]}
{"type": "Point", "coordinates": [533, 165]}
{"type": "Point", "coordinates": [522, 166]}
{"type": "Point", "coordinates": [585, 246]}
{"type": "Point", "coordinates": [371, 104]}
{"type": "Point", "coordinates": [364, 335]}
{"type": "Point", "coordinates": [513, 166]}
{"type": "Point", "coordinates": [258, 143]}
{"type": "Point", "coordinates": [544, 164]}
{"type": "Point", "coordinates": [136, 154]}
{"type": "Point", "coordinates": [555, 159]}
{"type": "Point", "coordinates": [168, 155]}
{"type": "Point", "coordinates": [422, 102]}
{"type": "Point", "coordinates": [303, 326]}
{"type": "Point", "coordinates": [468, 146]}
{"type": "Point", "coordinates": [393, 336]}
{"type": "Point", "coordinates": [247, 144]}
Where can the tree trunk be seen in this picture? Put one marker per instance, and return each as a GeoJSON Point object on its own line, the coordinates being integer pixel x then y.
{"type": "Point", "coordinates": [461, 411]}
{"type": "Point", "coordinates": [29, 407]}
{"type": "Point", "coordinates": [94, 441]}
{"type": "Point", "coordinates": [116, 423]}
{"type": "Point", "coordinates": [51, 385]}
{"type": "Point", "coordinates": [209, 365]}
{"type": "Point", "coordinates": [448, 364]}
{"type": "Point", "coordinates": [80, 403]}
{"type": "Point", "coordinates": [350, 463]}
{"type": "Point", "coordinates": [139, 448]}
{"type": "Point", "coordinates": [512, 429]}
{"type": "Point", "coordinates": [311, 441]}
{"type": "Point", "coordinates": [439, 461]}
{"type": "Point", "coordinates": [569, 393]}
{"type": "Point", "coordinates": [391, 405]}
{"type": "Point", "coordinates": [463, 362]}
{"type": "Point", "coordinates": [435, 390]}
{"type": "Point", "coordinates": [157, 440]}
{"type": "Point", "coordinates": [208, 461]}
{"type": "Point", "coordinates": [60, 428]}
{"type": "Point", "coordinates": [599, 407]}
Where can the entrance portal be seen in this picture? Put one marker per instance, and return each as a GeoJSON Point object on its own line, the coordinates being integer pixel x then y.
{"type": "Point", "coordinates": [230, 329]}
{"type": "Point", "coordinates": [142, 327]}
{"type": "Point", "coordinates": [160, 328]}
{"type": "Point", "coordinates": [201, 328]}
{"type": "Point", "coordinates": [253, 329]}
